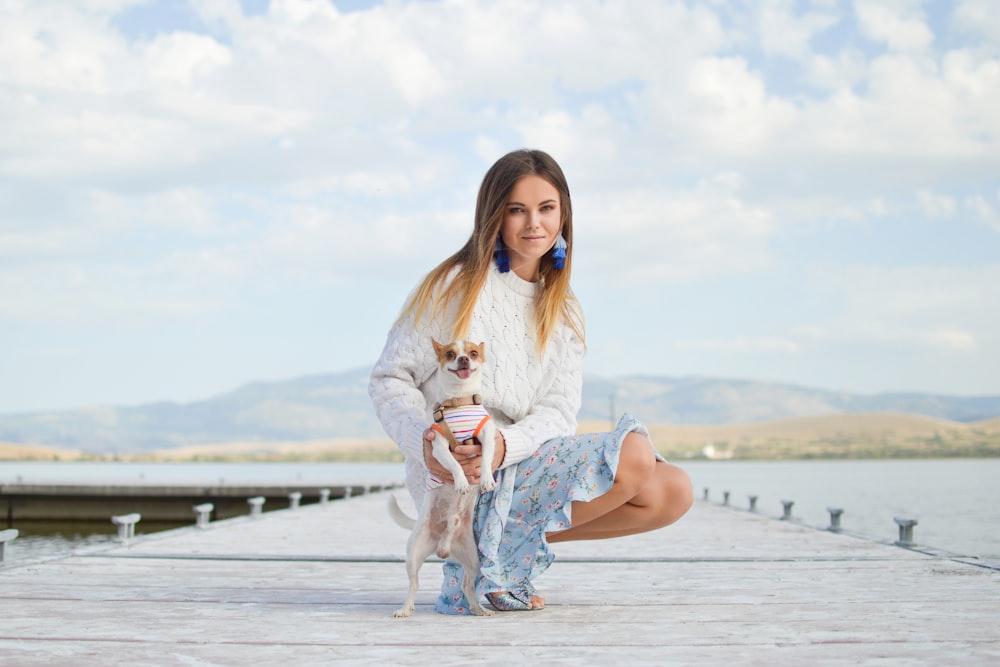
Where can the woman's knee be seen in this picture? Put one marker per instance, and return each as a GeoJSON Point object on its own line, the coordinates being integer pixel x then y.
{"type": "Point", "coordinates": [636, 463]}
{"type": "Point", "coordinates": [677, 494]}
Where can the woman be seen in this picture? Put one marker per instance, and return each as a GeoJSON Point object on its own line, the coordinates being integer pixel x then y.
{"type": "Point", "coordinates": [509, 286]}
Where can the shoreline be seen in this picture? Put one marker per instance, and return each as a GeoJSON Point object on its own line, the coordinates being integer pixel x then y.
{"type": "Point", "coordinates": [854, 436]}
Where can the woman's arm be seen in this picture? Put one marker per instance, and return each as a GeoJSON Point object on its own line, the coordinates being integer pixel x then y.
{"type": "Point", "coordinates": [405, 364]}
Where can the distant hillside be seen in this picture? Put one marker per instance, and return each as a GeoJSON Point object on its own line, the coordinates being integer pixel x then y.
{"type": "Point", "coordinates": [312, 407]}
{"type": "Point", "coordinates": [336, 406]}
{"type": "Point", "coordinates": [865, 435]}
{"type": "Point", "coordinates": [699, 400]}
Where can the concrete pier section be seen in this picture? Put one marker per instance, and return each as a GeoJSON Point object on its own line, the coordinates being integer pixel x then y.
{"type": "Point", "coordinates": [317, 585]}
{"type": "Point", "coordinates": [61, 503]}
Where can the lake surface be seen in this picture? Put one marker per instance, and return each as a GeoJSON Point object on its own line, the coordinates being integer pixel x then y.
{"type": "Point", "coordinates": [956, 501]}
{"type": "Point", "coordinates": [218, 474]}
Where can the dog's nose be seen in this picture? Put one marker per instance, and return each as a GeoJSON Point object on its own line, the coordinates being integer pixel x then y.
{"type": "Point", "coordinates": [463, 362]}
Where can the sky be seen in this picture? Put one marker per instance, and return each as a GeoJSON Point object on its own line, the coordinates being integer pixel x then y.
{"type": "Point", "coordinates": [196, 195]}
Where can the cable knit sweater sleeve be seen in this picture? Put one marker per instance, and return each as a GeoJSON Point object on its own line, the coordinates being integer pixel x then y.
{"type": "Point", "coordinates": [406, 364]}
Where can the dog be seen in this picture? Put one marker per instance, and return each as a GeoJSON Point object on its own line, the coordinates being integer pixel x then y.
{"type": "Point", "coordinates": [444, 521]}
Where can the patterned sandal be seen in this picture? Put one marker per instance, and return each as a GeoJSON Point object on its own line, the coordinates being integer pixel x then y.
{"type": "Point", "coordinates": [517, 600]}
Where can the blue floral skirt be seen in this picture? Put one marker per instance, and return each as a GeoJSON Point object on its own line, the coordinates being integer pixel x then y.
{"type": "Point", "coordinates": [531, 499]}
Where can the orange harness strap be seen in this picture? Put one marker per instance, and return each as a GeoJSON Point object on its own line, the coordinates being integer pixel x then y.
{"type": "Point", "coordinates": [441, 425]}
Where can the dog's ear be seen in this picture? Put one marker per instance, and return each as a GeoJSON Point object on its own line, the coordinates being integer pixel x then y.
{"type": "Point", "coordinates": [437, 347]}
{"type": "Point", "coordinates": [481, 348]}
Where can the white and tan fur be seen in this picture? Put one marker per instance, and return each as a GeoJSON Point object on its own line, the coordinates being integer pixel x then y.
{"type": "Point", "coordinates": [444, 521]}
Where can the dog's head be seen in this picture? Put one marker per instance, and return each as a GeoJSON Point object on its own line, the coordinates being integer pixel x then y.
{"type": "Point", "coordinates": [461, 363]}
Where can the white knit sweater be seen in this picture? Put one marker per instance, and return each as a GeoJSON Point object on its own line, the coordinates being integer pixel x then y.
{"type": "Point", "coordinates": [532, 399]}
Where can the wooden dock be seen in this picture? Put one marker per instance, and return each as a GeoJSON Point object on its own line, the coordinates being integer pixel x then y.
{"type": "Point", "coordinates": [317, 586]}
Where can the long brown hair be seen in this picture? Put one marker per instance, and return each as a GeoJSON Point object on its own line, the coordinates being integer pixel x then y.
{"type": "Point", "coordinates": [555, 300]}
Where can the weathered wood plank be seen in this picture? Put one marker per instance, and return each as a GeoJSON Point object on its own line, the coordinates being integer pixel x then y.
{"type": "Point", "coordinates": [317, 586]}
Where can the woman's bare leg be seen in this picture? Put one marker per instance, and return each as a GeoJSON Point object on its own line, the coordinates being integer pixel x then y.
{"type": "Point", "coordinates": [663, 501]}
{"type": "Point", "coordinates": [647, 494]}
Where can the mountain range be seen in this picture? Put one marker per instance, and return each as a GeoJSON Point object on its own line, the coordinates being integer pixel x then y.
{"type": "Point", "coordinates": [337, 406]}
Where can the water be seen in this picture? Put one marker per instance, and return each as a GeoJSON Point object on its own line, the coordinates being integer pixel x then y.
{"type": "Point", "coordinates": [956, 501]}
{"type": "Point", "coordinates": [215, 474]}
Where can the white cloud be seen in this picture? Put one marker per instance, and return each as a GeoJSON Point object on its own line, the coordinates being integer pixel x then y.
{"type": "Point", "coordinates": [781, 30]}
{"type": "Point", "coordinates": [839, 72]}
{"type": "Point", "coordinates": [984, 211]}
{"type": "Point", "coordinates": [901, 24]}
{"type": "Point", "coordinates": [950, 339]}
{"type": "Point", "coordinates": [947, 310]}
{"type": "Point", "coordinates": [661, 237]}
{"type": "Point", "coordinates": [736, 110]}
{"type": "Point", "coordinates": [741, 345]}
{"type": "Point", "coordinates": [936, 205]}
{"type": "Point", "coordinates": [87, 295]}
{"type": "Point", "coordinates": [926, 340]}
{"type": "Point", "coordinates": [979, 17]}
{"type": "Point", "coordinates": [181, 57]}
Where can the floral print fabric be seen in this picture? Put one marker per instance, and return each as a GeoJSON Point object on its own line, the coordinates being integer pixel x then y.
{"type": "Point", "coordinates": [531, 499]}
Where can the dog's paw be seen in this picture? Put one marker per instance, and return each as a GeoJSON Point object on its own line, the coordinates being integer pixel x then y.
{"type": "Point", "coordinates": [486, 483]}
{"type": "Point", "coordinates": [462, 486]}
{"type": "Point", "coordinates": [403, 611]}
{"type": "Point", "coordinates": [479, 610]}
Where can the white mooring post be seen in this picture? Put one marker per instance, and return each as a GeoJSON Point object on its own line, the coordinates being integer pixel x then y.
{"type": "Point", "coordinates": [126, 526]}
{"type": "Point", "coordinates": [753, 503]}
{"type": "Point", "coordinates": [8, 535]}
{"type": "Point", "coordinates": [835, 513]}
{"type": "Point", "coordinates": [324, 496]}
{"type": "Point", "coordinates": [256, 506]}
{"type": "Point", "coordinates": [786, 514]}
{"type": "Point", "coordinates": [203, 514]}
{"type": "Point", "coordinates": [294, 498]}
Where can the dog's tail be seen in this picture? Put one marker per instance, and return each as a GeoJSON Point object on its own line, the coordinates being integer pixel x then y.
{"type": "Point", "coordinates": [398, 515]}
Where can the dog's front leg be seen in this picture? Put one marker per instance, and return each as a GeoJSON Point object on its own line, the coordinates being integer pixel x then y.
{"type": "Point", "coordinates": [444, 456]}
{"type": "Point", "coordinates": [487, 436]}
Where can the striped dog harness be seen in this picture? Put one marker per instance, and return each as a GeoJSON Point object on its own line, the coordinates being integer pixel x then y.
{"type": "Point", "coordinates": [459, 420]}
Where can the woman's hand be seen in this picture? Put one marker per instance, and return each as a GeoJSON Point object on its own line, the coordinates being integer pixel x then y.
{"type": "Point", "coordinates": [470, 457]}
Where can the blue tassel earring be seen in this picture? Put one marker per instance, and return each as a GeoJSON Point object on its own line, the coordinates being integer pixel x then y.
{"type": "Point", "coordinates": [559, 254]}
{"type": "Point", "coordinates": [500, 255]}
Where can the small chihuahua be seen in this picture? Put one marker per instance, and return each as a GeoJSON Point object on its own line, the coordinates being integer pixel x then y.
{"type": "Point", "coordinates": [444, 522]}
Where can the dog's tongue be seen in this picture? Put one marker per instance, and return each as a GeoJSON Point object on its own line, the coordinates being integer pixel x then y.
{"type": "Point", "coordinates": [463, 373]}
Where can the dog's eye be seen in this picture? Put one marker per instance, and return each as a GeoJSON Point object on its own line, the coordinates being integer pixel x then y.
{"type": "Point", "coordinates": [474, 354]}
{"type": "Point", "coordinates": [449, 355]}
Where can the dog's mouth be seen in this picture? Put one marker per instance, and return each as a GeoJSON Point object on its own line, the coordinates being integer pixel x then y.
{"type": "Point", "coordinates": [463, 373]}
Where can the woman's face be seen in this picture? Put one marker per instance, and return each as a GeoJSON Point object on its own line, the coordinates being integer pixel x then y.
{"type": "Point", "coordinates": [531, 222]}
